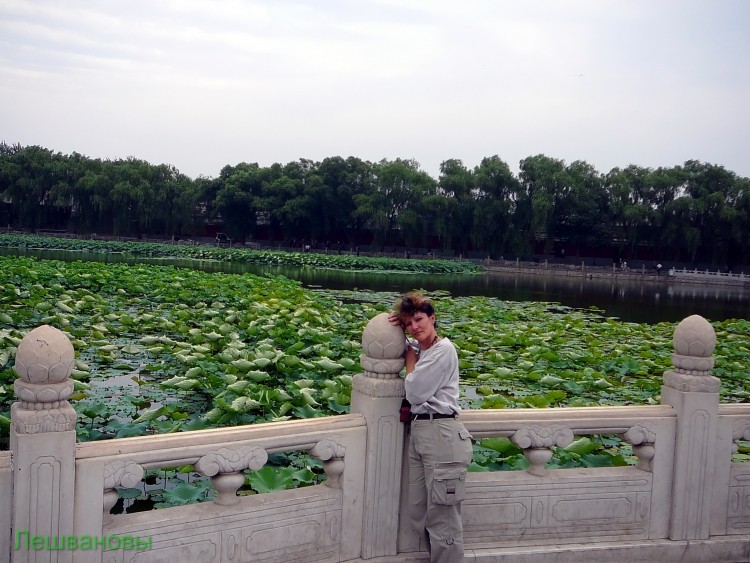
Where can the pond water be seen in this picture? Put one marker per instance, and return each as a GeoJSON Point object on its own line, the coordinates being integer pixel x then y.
{"type": "Point", "coordinates": [629, 300]}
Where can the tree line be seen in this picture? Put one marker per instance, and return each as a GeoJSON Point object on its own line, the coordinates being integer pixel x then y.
{"type": "Point", "coordinates": [695, 213]}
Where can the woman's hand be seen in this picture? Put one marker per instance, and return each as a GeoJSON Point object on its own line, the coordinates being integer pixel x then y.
{"type": "Point", "coordinates": [394, 320]}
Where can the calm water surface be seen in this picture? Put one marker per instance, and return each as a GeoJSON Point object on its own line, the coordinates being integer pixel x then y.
{"type": "Point", "coordinates": [632, 301]}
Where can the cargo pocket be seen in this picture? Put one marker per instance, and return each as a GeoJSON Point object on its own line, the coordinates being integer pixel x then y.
{"type": "Point", "coordinates": [448, 483]}
{"type": "Point", "coordinates": [465, 448]}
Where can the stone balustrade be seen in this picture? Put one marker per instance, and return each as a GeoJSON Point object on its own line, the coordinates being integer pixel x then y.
{"type": "Point", "coordinates": [684, 499]}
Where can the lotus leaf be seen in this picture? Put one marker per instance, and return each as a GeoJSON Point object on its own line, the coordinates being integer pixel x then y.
{"type": "Point", "coordinates": [328, 365]}
{"type": "Point", "coordinates": [238, 387]}
{"type": "Point", "coordinates": [185, 493]}
{"type": "Point", "coordinates": [307, 394]}
{"type": "Point", "coordinates": [186, 358]}
{"type": "Point", "coordinates": [213, 415]}
{"type": "Point", "coordinates": [271, 478]}
{"type": "Point", "coordinates": [500, 445]}
{"type": "Point", "coordinates": [64, 307]}
{"type": "Point", "coordinates": [551, 380]}
{"type": "Point", "coordinates": [238, 405]}
{"type": "Point", "coordinates": [257, 375]}
{"type": "Point", "coordinates": [174, 381]}
{"type": "Point", "coordinates": [150, 415]}
{"type": "Point", "coordinates": [495, 402]}
{"type": "Point", "coordinates": [194, 372]}
{"type": "Point", "coordinates": [582, 446]}
{"type": "Point", "coordinates": [129, 493]}
{"type": "Point", "coordinates": [75, 374]}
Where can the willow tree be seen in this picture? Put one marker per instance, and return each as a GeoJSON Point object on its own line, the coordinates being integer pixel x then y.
{"type": "Point", "coordinates": [398, 183]}
{"type": "Point", "coordinates": [543, 186]}
{"type": "Point", "coordinates": [496, 191]}
{"type": "Point", "coordinates": [456, 184]}
{"type": "Point", "coordinates": [582, 215]}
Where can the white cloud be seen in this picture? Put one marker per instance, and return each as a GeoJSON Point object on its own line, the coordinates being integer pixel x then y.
{"type": "Point", "coordinates": [202, 84]}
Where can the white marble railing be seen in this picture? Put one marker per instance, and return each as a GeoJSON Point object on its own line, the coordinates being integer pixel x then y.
{"type": "Point", "coordinates": [612, 504]}
{"type": "Point", "coordinates": [684, 499]}
{"type": "Point", "coordinates": [231, 527]}
{"type": "Point", "coordinates": [708, 276]}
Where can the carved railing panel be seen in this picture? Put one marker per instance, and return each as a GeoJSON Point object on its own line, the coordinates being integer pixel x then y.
{"type": "Point", "coordinates": [731, 513]}
{"type": "Point", "coordinates": [304, 523]}
{"type": "Point", "coordinates": [545, 506]}
{"type": "Point", "coordinates": [568, 505]}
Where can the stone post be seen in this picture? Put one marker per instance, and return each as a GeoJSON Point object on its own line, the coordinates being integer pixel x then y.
{"type": "Point", "coordinates": [43, 443]}
{"type": "Point", "coordinates": [377, 394]}
{"type": "Point", "coordinates": [694, 394]}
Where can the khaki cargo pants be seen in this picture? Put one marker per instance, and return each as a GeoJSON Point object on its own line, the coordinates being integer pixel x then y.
{"type": "Point", "coordinates": [439, 452]}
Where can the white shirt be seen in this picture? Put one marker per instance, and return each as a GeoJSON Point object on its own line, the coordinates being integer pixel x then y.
{"type": "Point", "coordinates": [433, 385]}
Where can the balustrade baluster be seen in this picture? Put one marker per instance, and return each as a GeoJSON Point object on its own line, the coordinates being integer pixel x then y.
{"type": "Point", "coordinates": [226, 466]}
{"type": "Point", "coordinates": [118, 474]}
{"type": "Point", "coordinates": [642, 440]}
{"type": "Point", "coordinates": [536, 441]}
{"type": "Point", "coordinates": [331, 452]}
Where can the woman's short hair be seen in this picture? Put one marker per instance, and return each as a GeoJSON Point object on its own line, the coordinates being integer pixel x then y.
{"type": "Point", "coordinates": [412, 303]}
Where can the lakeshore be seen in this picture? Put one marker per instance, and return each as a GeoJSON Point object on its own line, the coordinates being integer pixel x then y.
{"type": "Point", "coordinates": [583, 270]}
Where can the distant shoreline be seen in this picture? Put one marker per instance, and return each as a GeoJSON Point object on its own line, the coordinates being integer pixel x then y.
{"type": "Point", "coordinates": [697, 277]}
{"type": "Point", "coordinates": [572, 267]}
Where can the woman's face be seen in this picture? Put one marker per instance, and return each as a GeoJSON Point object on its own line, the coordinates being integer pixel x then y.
{"type": "Point", "coordinates": [421, 326]}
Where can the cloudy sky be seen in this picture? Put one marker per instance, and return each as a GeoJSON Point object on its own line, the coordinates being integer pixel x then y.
{"type": "Point", "coordinates": [200, 84]}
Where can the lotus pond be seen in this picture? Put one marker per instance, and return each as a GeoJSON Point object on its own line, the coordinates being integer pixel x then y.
{"type": "Point", "coordinates": [240, 255]}
{"type": "Point", "coordinates": [160, 349]}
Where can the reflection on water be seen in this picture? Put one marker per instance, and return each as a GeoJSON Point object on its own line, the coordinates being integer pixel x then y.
{"type": "Point", "coordinates": [629, 300]}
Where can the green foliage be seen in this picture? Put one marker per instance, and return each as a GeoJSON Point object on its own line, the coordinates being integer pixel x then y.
{"type": "Point", "coordinates": [242, 256]}
{"type": "Point", "coordinates": [694, 212]}
{"type": "Point", "coordinates": [164, 488]}
{"type": "Point", "coordinates": [500, 454]}
{"type": "Point", "coordinates": [183, 493]}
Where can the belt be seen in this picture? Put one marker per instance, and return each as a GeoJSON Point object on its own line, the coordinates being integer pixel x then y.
{"type": "Point", "coordinates": [430, 416]}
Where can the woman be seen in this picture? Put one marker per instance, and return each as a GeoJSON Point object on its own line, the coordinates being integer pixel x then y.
{"type": "Point", "coordinates": [440, 448]}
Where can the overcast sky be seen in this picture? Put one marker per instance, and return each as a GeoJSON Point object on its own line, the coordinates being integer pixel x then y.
{"type": "Point", "coordinates": [202, 84]}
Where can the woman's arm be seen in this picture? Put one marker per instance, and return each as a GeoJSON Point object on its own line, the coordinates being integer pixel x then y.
{"type": "Point", "coordinates": [410, 359]}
